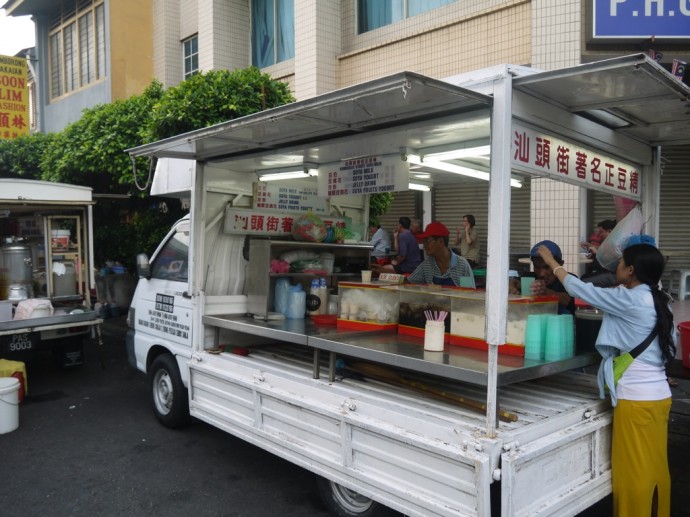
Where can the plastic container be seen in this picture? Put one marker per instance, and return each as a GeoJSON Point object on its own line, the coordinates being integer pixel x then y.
{"type": "Point", "coordinates": [59, 240]}
{"type": "Point", "coordinates": [9, 404]}
{"type": "Point", "coordinates": [327, 261]}
{"type": "Point", "coordinates": [434, 333]}
{"type": "Point", "coordinates": [297, 303]}
{"type": "Point", "coordinates": [281, 295]}
{"type": "Point", "coordinates": [684, 329]}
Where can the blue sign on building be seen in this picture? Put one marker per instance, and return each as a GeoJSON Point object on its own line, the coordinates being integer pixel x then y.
{"type": "Point", "coordinates": [641, 19]}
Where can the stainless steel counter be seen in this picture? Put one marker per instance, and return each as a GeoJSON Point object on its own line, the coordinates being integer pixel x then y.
{"type": "Point", "coordinates": [389, 348]}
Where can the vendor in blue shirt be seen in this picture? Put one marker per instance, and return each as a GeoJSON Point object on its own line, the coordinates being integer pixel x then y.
{"type": "Point", "coordinates": [442, 266]}
{"type": "Point", "coordinates": [547, 284]}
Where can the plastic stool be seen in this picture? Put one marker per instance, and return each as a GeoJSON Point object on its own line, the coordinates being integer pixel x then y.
{"type": "Point", "coordinates": [678, 282]}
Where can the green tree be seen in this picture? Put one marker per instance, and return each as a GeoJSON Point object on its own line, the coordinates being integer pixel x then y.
{"type": "Point", "coordinates": [379, 205]}
{"type": "Point", "coordinates": [20, 157]}
{"type": "Point", "coordinates": [91, 151]}
{"type": "Point", "coordinates": [214, 97]}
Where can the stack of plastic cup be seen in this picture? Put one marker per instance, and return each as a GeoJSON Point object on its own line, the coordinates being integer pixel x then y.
{"type": "Point", "coordinates": [569, 337]}
{"type": "Point", "coordinates": [560, 337]}
{"type": "Point", "coordinates": [554, 345]}
{"type": "Point", "coordinates": [535, 334]}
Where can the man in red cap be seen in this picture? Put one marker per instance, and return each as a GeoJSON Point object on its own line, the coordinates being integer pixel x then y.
{"type": "Point", "coordinates": [442, 266]}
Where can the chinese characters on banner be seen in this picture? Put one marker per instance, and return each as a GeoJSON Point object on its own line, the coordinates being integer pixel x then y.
{"type": "Point", "coordinates": [264, 222]}
{"type": "Point", "coordinates": [536, 152]}
{"type": "Point", "coordinates": [14, 97]}
{"type": "Point", "coordinates": [368, 175]}
{"type": "Point", "coordinates": [272, 196]}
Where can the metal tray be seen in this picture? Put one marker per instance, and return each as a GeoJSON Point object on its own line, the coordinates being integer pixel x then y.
{"type": "Point", "coordinates": [52, 320]}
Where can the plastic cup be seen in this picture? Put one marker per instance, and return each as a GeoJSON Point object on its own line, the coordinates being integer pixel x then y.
{"type": "Point", "coordinates": [434, 332]}
{"type": "Point", "coordinates": [534, 336]}
{"type": "Point", "coordinates": [366, 276]}
{"type": "Point", "coordinates": [354, 311]}
{"type": "Point", "coordinates": [526, 285]}
{"type": "Point", "coordinates": [554, 345]}
{"type": "Point", "coordinates": [569, 335]}
{"type": "Point", "coordinates": [434, 357]}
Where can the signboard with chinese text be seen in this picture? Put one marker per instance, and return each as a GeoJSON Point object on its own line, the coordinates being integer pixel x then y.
{"type": "Point", "coordinates": [14, 97]}
{"type": "Point", "coordinates": [280, 196]}
{"type": "Point", "coordinates": [368, 175]}
{"type": "Point", "coordinates": [245, 221]}
{"type": "Point", "coordinates": [537, 152]}
{"type": "Point", "coordinates": [641, 19]}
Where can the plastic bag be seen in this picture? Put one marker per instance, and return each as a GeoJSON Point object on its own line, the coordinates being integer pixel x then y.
{"type": "Point", "coordinates": [282, 290]}
{"type": "Point", "coordinates": [611, 250]}
{"type": "Point", "coordinates": [309, 228]}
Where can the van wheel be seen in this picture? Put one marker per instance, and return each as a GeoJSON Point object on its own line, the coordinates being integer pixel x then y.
{"type": "Point", "coordinates": [169, 396]}
{"type": "Point", "coordinates": [344, 502]}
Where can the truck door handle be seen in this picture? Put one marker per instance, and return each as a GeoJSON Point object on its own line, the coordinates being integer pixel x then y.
{"type": "Point", "coordinates": [186, 295]}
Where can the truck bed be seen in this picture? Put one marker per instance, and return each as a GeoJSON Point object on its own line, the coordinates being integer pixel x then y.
{"type": "Point", "coordinates": [413, 453]}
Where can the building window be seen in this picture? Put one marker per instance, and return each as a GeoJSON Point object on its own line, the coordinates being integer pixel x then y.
{"type": "Point", "coordinates": [76, 45]}
{"type": "Point", "coordinates": [372, 14]}
{"type": "Point", "coordinates": [273, 31]}
{"type": "Point", "coordinates": [191, 56]}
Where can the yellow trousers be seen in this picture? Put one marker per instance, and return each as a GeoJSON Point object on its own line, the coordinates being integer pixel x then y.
{"type": "Point", "coordinates": [639, 459]}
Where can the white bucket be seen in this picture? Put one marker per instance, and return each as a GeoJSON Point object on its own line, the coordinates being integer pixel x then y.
{"type": "Point", "coordinates": [9, 404]}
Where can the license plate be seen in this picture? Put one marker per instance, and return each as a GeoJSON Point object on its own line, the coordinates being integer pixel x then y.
{"type": "Point", "coordinates": [20, 342]}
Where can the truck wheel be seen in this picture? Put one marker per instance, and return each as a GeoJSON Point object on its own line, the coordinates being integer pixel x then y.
{"type": "Point", "coordinates": [344, 502]}
{"type": "Point", "coordinates": [169, 396]}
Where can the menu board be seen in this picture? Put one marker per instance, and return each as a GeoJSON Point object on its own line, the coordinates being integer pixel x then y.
{"type": "Point", "coordinates": [366, 175]}
{"type": "Point", "coordinates": [283, 196]}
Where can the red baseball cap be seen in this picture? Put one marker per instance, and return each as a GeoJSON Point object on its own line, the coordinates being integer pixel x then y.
{"type": "Point", "coordinates": [434, 229]}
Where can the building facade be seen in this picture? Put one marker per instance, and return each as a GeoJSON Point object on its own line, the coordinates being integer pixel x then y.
{"type": "Point", "coordinates": [88, 52]}
{"type": "Point", "coordinates": [321, 45]}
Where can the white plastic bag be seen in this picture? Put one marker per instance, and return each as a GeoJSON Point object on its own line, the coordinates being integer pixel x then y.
{"type": "Point", "coordinates": [611, 250]}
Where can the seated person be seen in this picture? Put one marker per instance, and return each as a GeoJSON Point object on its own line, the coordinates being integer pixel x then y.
{"type": "Point", "coordinates": [546, 282]}
{"type": "Point", "coordinates": [467, 240]}
{"type": "Point", "coordinates": [407, 252]}
{"type": "Point", "coordinates": [442, 266]}
{"type": "Point", "coordinates": [382, 244]}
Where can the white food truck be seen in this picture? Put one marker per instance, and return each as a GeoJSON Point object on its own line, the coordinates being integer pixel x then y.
{"type": "Point", "coordinates": [541, 443]}
{"type": "Point", "coordinates": [46, 269]}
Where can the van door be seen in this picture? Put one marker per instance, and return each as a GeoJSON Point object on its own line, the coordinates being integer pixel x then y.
{"type": "Point", "coordinates": [164, 307]}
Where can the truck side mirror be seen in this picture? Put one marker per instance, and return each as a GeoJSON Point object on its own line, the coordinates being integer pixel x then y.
{"type": "Point", "coordinates": [143, 266]}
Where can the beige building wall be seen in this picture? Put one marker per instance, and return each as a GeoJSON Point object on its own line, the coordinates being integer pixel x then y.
{"type": "Point", "coordinates": [130, 36]}
{"type": "Point", "coordinates": [167, 52]}
{"type": "Point", "coordinates": [557, 209]}
{"type": "Point", "coordinates": [443, 42]}
{"type": "Point", "coordinates": [223, 34]}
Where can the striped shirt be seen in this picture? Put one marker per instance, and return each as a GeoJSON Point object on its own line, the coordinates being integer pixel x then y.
{"type": "Point", "coordinates": [428, 270]}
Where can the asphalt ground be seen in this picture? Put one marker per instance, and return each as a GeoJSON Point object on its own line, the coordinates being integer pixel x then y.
{"type": "Point", "coordinates": [88, 444]}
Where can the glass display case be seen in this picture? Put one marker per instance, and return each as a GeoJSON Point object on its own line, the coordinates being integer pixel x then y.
{"type": "Point", "coordinates": [367, 306]}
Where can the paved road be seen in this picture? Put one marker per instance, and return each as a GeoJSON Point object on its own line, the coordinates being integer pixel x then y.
{"type": "Point", "coordinates": [89, 445]}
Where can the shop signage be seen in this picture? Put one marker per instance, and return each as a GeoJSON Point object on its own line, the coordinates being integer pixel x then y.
{"type": "Point", "coordinates": [543, 154]}
{"type": "Point", "coordinates": [641, 19]}
{"type": "Point", "coordinates": [366, 175]}
{"type": "Point", "coordinates": [246, 221]}
{"type": "Point", "coordinates": [14, 98]}
{"type": "Point", "coordinates": [279, 196]}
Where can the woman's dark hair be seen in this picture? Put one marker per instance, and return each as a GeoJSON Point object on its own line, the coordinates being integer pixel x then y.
{"type": "Point", "coordinates": [648, 266]}
{"type": "Point", "coordinates": [470, 219]}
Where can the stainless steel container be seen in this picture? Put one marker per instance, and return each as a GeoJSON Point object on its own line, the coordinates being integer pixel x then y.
{"type": "Point", "coordinates": [18, 269]}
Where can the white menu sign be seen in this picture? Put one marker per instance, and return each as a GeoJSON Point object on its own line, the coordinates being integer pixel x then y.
{"type": "Point", "coordinates": [281, 196]}
{"type": "Point", "coordinates": [538, 152]}
{"type": "Point", "coordinates": [368, 175]}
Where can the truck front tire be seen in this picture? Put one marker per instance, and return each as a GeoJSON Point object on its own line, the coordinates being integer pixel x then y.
{"type": "Point", "coordinates": [344, 502]}
{"type": "Point", "coordinates": [169, 396]}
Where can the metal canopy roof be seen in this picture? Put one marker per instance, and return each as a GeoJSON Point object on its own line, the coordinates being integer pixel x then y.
{"type": "Point", "coordinates": [653, 105]}
{"type": "Point", "coordinates": [383, 104]}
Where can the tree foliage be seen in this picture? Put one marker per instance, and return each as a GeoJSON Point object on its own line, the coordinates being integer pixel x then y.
{"type": "Point", "coordinates": [379, 205]}
{"type": "Point", "coordinates": [213, 97]}
{"type": "Point", "coordinates": [20, 157]}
